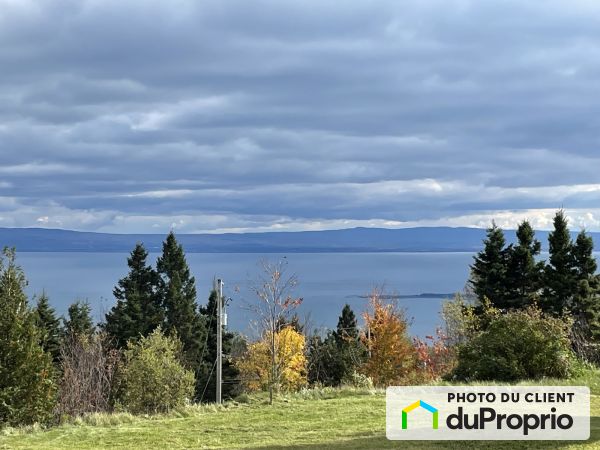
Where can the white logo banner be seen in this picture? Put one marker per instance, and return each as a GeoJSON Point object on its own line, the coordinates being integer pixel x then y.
{"type": "Point", "coordinates": [488, 413]}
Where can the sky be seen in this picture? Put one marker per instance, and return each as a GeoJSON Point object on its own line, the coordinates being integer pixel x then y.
{"type": "Point", "coordinates": [233, 116]}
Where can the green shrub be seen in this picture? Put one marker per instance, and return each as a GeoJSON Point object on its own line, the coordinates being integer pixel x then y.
{"type": "Point", "coordinates": [153, 378]}
{"type": "Point", "coordinates": [517, 345]}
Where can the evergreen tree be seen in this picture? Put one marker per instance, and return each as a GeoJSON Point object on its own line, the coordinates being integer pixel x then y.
{"type": "Point", "coordinates": [523, 278]}
{"type": "Point", "coordinates": [346, 326]}
{"type": "Point", "coordinates": [177, 289]}
{"type": "Point", "coordinates": [138, 311]}
{"type": "Point", "coordinates": [27, 387]}
{"type": "Point", "coordinates": [333, 359]}
{"type": "Point", "coordinates": [207, 375]}
{"type": "Point", "coordinates": [489, 271]}
{"type": "Point", "coordinates": [560, 279]}
{"type": "Point", "coordinates": [586, 302]}
{"type": "Point", "coordinates": [79, 321]}
{"type": "Point", "coordinates": [49, 326]}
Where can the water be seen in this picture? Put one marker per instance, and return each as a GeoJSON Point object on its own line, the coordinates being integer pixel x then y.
{"type": "Point", "coordinates": [326, 281]}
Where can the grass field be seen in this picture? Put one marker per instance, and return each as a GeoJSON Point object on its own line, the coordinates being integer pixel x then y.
{"type": "Point", "coordinates": [315, 419]}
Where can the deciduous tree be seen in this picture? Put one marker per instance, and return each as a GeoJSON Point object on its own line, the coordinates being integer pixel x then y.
{"type": "Point", "coordinates": [274, 309]}
{"type": "Point", "coordinates": [392, 357]}
{"type": "Point", "coordinates": [255, 366]}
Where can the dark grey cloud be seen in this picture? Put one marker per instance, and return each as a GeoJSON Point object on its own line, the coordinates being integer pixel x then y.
{"type": "Point", "coordinates": [212, 115]}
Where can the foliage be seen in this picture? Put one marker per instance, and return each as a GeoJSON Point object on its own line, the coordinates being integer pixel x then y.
{"type": "Point", "coordinates": [88, 366]}
{"type": "Point", "coordinates": [524, 273]}
{"type": "Point", "coordinates": [255, 366]}
{"type": "Point", "coordinates": [488, 271]}
{"type": "Point", "coordinates": [520, 344]}
{"type": "Point", "coordinates": [358, 380]}
{"type": "Point", "coordinates": [461, 320]}
{"type": "Point", "coordinates": [560, 281]}
{"type": "Point", "coordinates": [586, 300]}
{"type": "Point", "coordinates": [392, 357]}
{"type": "Point", "coordinates": [153, 378]}
{"type": "Point", "coordinates": [274, 290]}
{"type": "Point", "coordinates": [27, 387]}
{"type": "Point", "coordinates": [206, 376]}
{"type": "Point", "coordinates": [435, 357]}
{"type": "Point", "coordinates": [324, 364]}
{"type": "Point", "coordinates": [177, 289]}
{"type": "Point", "coordinates": [79, 321]}
{"type": "Point", "coordinates": [347, 328]}
{"type": "Point", "coordinates": [138, 311]}
{"type": "Point", "coordinates": [339, 355]}
{"type": "Point", "coordinates": [49, 326]}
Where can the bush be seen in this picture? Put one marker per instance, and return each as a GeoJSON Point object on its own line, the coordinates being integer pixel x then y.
{"type": "Point", "coordinates": [88, 367]}
{"type": "Point", "coordinates": [153, 378]}
{"type": "Point", "coordinates": [358, 380]}
{"type": "Point", "coordinates": [521, 344]}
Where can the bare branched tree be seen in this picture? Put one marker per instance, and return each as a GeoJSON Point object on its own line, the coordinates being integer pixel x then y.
{"type": "Point", "coordinates": [88, 371]}
{"type": "Point", "coordinates": [274, 289]}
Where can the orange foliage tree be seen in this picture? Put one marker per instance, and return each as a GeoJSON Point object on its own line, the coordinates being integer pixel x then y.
{"type": "Point", "coordinates": [393, 358]}
{"type": "Point", "coordinates": [435, 357]}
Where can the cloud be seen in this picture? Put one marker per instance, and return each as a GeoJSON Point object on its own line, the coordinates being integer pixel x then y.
{"type": "Point", "coordinates": [297, 115]}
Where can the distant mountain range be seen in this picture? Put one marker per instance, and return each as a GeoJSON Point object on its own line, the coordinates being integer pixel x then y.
{"type": "Point", "coordinates": [422, 239]}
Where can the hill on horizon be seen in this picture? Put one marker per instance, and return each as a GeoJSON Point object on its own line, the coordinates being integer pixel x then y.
{"type": "Point", "coordinates": [419, 239]}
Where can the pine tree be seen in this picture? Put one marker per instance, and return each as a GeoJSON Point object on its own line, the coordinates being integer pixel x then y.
{"type": "Point", "coordinates": [346, 326]}
{"type": "Point", "coordinates": [138, 311]}
{"type": "Point", "coordinates": [79, 321]}
{"type": "Point", "coordinates": [206, 377]}
{"type": "Point", "coordinates": [586, 302]}
{"type": "Point", "coordinates": [177, 289]}
{"type": "Point", "coordinates": [488, 272]}
{"type": "Point", "coordinates": [27, 387]}
{"type": "Point", "coordinates": [49, 326]}
{"type": "Point", "coordinates": [523, 277]}
{"type": "Point", "coordinates": [560, 279]}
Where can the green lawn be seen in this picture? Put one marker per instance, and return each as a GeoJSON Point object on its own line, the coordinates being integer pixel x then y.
{"type": "Point", "coordinates": [335, 419]}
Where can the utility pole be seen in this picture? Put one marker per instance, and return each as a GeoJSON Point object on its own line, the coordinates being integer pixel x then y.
{"type": "Point", "coordinates": [219, 291]}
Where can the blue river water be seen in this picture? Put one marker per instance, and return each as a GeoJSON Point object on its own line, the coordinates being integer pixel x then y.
{"type": "Point", "coordinates": [326, 281]}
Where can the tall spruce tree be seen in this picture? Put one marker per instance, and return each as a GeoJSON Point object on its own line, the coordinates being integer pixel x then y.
{"type": "Point", "coordinates": [138, 311]}
{"type": "Point", "coordinates": [347, 326]}
{"type": "Point", "coordinates": [206, 376]}
{"type": "Point", "coordinates": [177, 289]}
{"type": "Point", "coordinates": [49, 325]}
{"type": "Point", "coordinates": [27, 387]}
{"type": "Point", "coordinates": [560, 280]}
{"type": "Point", "coordinates": [79, 320]}
{"type": "Point", "coordinates": [523, 276]}
{"type": "Point", "coordinates": [489, 270]}
{"type": "Point", "coordinates": [586, 301]}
